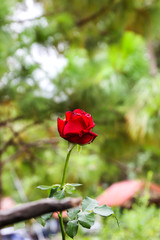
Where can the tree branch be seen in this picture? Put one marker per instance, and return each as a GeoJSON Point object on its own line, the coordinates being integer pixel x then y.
{"type": "Point", "coordinates": [79, 23]}
{"type": "Point", "coordinates": [93, 16]}
{"type": "Point", "coordinates": [34, 209]}
{"type": "Point", "coordinates": [26, 146]}
{"type": "Point", "coordinates": [16, 134]}
{"type": "Point", "coordinates": [152, 58]}
{"type": "Point", "coordinates": [5, 123]}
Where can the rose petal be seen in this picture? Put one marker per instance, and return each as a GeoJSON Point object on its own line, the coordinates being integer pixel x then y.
{"type": "Point", "coordinates": [60, 124]}
{"type": "Point", "coordinates": [68, 115]}
{"type": "Point", "coordinates": [86, 117]}
{"type": "Point", "coordinates": [79, 111]}
{"type": "Point", "coordinates": [89, 122]}
{"type": "Point", "coordinates": [86, 138]}
{"type": "Point", "coordinates": [74, 126]}
{"type": "Point", "coordinates": [73, 138]}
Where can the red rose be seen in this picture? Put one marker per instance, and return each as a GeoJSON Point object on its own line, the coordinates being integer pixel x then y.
{"type": "Point", "coordinates": [76, 128]}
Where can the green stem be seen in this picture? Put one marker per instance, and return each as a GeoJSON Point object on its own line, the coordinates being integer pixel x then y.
{"type": "Point", "coordinates": [65, 167]}
{"type": "Point", "coordinates": [62, 225]}
{"type": "Point", "coordinates": [62, 185]}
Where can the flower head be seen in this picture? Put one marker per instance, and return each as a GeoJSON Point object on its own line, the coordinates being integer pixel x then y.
{"type": "Point", "coordinates": [76, 128]}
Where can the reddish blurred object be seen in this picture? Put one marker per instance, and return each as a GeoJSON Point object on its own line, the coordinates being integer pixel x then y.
{"type": "Point", "coordinates": [64, 214]}
{"type": "Point", "coordinates": [123, 193]}
{"type": "Point", "coordinates": [7, 203]}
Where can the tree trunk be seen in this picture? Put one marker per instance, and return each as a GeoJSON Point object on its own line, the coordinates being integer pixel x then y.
{"type": "Point", "coordinates": [152, 58]}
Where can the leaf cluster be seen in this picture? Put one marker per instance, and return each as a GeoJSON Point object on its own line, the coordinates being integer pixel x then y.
{"type": "Point", "coordinates": [85, 216]}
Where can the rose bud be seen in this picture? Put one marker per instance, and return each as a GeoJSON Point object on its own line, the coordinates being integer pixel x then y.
{"type": "Point", "coordinates": [76, 128]}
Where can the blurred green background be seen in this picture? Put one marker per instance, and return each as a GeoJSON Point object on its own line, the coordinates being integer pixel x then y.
{"type": "Point", "coordinates": [100, 56]}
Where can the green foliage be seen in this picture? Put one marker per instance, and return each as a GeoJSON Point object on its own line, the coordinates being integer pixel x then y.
{"type": "Point", "coordinates": [72, 228]}
{"type": "Point", "coordinates": [86, 217]}
{"type": "Point", "coordinates": [41, 221]}
{"type": "Point", "coordinates": [58, 192]}
{"type": "Point", "coordinates": [89, 204]}
{"type": "Point", "coordinates": [43, 187]}
{"type": "Point", "coordinates": [141, 222]}
{"type": "Point", "coordinates": [73, 212]}
{"type": "Point", "coordinates": [103, 210]}
{"type": "Point", "coordinates": [72, 224]}
{"type": "Point", "coordinates": [107, 73]}
{"type": "Point", "coordinates": [19, 225]}
{"type": "Point", "coordinates": [46, 217]}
